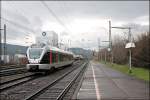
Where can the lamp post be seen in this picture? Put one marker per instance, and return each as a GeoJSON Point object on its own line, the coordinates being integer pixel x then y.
{"type": "Point", "coordinates": [110, 43]}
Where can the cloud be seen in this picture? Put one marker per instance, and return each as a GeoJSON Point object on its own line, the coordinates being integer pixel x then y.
{"type": "Point", "coordinates": [137, 28]}
{"type": "Point", "coordinates": [64, 33]}
{"type": "Point", "coordinates": [143, 20]}
{"type": "Point", "coordinates": [15, 17]}
{"type": "Point", "coordinates": [87, 20]}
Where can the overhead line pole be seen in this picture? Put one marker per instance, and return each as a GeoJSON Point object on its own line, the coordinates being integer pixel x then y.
{"type": "Point", "coordinates": [0, 44]}
{"type": "Point", "coordinates": [0, 38]}
{"type": "Point", "coordinates": [129, 40]}
{"type": "Point", "coordinates": [5, 48]}
{"type": "Point", "coordinates": [98, 49]}
{"type": "Point", "coordinates": [110, 42]}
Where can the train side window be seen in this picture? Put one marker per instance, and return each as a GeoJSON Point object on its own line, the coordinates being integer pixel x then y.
{"type": "Point", "coordinates": [63, 57]}
{"type": "Point", "coordinates": [45, 59]}
{"type": "Point", "coordinates": [60, 57]}
{"type": "Point", "coordinates": [53, 57]}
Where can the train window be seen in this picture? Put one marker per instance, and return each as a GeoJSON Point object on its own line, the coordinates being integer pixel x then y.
{"type": "Point", "coordinates": [58, 57]}
{"type": "Point", "coordinates": [64, 57]}
{"type": "Point", "coordinates": [54, 57]}
{"type": "Point", "coordinates": [45, 59]}
{"type": "Point", "coordinates": [35, 53]}
{"type": "Point", "coordinates": [61, 57]}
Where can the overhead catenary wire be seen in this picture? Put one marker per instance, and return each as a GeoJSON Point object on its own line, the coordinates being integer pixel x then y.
{"type": "Point", "coordinates": [54, 15]}
{"type": "Point", "coordinates": [20, 11]}
{"type": "Point", "coordinates": [65, 13]}
{"type": "Point", "coordinates": [23, 28]}
{"type": "Point", "coordinates": [17, 10]}
{"type": "Point", "coordinates": [16, 24]}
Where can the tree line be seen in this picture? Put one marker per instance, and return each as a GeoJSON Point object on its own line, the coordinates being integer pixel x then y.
{"type": "Point", "coordinates": [140, 54]}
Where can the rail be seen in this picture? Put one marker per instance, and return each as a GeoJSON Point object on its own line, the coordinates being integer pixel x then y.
{"type": "Point", "coordinates": [12, 71]}
{"type": "Point", "coordinates": [60, 97]}
{"type": "Point", "coordinates": [40, 91]}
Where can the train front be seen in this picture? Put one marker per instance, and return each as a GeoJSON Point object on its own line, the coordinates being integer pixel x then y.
{"type": "Point", "coordinates": [34, 54]}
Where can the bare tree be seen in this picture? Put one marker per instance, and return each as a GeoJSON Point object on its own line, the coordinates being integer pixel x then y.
{"type": "Point", "coordinates": [119, 51]}
{"type": "Point", "coordinates": [141, 55]}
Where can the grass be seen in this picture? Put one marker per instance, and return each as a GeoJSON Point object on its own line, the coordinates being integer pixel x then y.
{"type": "Point", "coordinates": [140, 73]}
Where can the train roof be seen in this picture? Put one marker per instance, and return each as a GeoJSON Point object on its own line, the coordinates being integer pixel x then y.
{"type": "Point", "coordinates": [42, 45]}
{"type": "Point", "coordinates": [60, 50]}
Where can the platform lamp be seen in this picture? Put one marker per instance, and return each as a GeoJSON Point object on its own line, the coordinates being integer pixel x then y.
{"type": "Point", "coordinates": [129, 46]}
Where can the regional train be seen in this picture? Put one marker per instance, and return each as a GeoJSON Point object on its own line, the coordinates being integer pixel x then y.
{"type": "Point", "coordinates": [78, 57]}
{"type": "Point", "coordinates": [43, 58]}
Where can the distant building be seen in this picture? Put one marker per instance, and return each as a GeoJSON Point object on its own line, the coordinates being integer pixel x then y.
{"type": "Point", "coordinates": [48, 37]}
{"type": "Point", "coordinates": [12, 50]}
{"type": "Point", "coordinates": [7, 58]}
{"type": "Point", "coordinates": [63, 46]}
{"type": "Point", "coordinates": [20, 59]}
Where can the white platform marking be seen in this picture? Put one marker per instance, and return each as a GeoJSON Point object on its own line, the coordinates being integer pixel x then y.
{"type": "Point", "coordinates": [96, 86]}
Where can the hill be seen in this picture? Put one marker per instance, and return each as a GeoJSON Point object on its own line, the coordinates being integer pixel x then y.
{"type": "Point", "coordinates": [80, 51]}
{"type": "Point", "coordinates": [13, 49]}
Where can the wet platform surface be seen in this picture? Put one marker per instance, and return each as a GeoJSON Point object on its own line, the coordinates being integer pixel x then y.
{"type": "Point", "coordinates": [103, 83]}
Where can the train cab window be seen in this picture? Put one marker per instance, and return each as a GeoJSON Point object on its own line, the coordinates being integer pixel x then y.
{"type": "Point", "coordinates": [35, 53]}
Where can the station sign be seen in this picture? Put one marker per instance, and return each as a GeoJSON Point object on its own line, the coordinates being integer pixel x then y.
{"type": "Point", "coordinates": [130, 45]}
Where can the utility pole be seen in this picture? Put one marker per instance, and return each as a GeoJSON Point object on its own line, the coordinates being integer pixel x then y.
{"type": "Point", "coordinates": [0, 45]}
{"type": "Point", "coordinates": [105, 56]}
{"type": "Point", "coordinates": [110, 35]}
{"type": "Point", "coordinates": [98, 49]}
{"type": "Point", "coordinates": [110, 42]}
{"type": "Point", "coordinates": [5, 48]}
{"type": "Point", "coordinates": [130, 40]}
{"type": "Point", "coordinates": [0, 40]}
{"type": "Point", "coordinates": [101, 56]}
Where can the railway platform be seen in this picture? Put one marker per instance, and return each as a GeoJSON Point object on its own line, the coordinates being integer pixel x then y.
{"type": "Point", "coordinates": [103, 83]}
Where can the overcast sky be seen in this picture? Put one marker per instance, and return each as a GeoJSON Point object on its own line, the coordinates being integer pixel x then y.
{"type": "Point", "coordinates": [82, 22]}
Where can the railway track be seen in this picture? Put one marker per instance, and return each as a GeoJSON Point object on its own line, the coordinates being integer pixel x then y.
{"type": "Point", "coordinates": [59, 87]}
{"type": "Point", "coordinates": [30, 89]}
{"type": "Point", "coordinates": [11, 67]}
{"type": "Point", "coordinates": [12, 83]}
{"type": "Point", "coordinates": [9, 79]}
{"type": "Point", "coordinates": [13, 71]}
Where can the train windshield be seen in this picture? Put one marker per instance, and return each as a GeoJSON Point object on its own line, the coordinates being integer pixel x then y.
{"type": "Point", "coordinates": [35, 53]}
